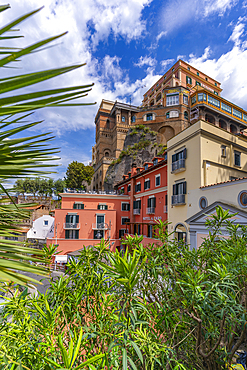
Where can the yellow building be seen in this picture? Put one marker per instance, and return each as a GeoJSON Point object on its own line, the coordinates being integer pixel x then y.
{"type": "Point", "coordinates": [204, 154]}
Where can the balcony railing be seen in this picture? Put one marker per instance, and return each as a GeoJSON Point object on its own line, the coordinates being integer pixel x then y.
{"type": "Point", "coordinates": [136, 211]}
{"type": "Point", "coordinates": [150, 210]}
{"type": "Point", "coordinates": [69, 225]}
{"type": "Point", "coordinates": [178, 165]}
{"type": "Point", "coordinates": [178, 199]}
{"type": "Point", "coordinates": [99, 226]}
{"type": "Point", "coordinates": [165, 209]}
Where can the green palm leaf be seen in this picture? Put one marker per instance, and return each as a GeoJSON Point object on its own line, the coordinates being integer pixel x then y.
{"type": "Point", "coordinates": [26, 156]}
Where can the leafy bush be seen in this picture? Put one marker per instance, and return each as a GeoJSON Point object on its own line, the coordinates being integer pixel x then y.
{"type": "Point", "coordinates": [160, 307]}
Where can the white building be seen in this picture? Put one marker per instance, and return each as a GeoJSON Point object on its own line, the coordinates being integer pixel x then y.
{"type": "Point", "coordinates": [43, 228]}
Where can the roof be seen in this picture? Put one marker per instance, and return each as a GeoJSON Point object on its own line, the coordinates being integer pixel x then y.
{"type": "Point", "coordinates": [223, 182]}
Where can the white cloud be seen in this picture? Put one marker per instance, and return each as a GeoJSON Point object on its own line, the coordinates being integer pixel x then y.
{"type": "Point", "coordinates": [229, 68]}
{"type": "Point", "coordinates": [142, 61]}
{"type": "Point", "coordinates": [166, 62]}
{"type": "Point", "coordinates": [177, 13]}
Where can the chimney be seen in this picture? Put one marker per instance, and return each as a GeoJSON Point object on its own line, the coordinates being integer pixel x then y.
{"type": "Point", "coordinates": [133, 169]}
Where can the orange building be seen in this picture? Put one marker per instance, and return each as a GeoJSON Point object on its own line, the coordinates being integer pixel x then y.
{"type": "Point", "coordinates": [85, 218]}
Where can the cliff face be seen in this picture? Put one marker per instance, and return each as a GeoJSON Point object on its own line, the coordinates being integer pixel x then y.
{"type": "Point", "coordinates": [140, 145]}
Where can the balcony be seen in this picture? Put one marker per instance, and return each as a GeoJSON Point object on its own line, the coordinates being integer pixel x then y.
{"type": "Point", "coordinates": [99, 226]}
{"type": "Point", "coordinates": [178, 199]}
{"type": "Point", "coordinates": [165, 209]}
{"type": "Point", "coordinates": [71, 226]}
{"type": "Point", "coordinates": [136, 211]}
{"type": "Point", "coordinates": [178, 165]}
{"type": "Point", "coordinates": [150, 210]}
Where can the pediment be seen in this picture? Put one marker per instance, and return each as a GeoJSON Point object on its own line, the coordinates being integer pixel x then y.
{"type": "Point", "coordinates": [201, 217]}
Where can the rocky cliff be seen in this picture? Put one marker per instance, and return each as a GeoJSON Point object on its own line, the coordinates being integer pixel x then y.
{"type": "Point", "coordinates": [141, 145]}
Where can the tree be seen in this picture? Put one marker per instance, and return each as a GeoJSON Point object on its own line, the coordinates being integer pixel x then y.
{"type": "Point", "coordinates": [59, 186]}
{"type": "Point", "coordinates": [160, 307]}
{"type": "Point", "coordinates": [27, 156]}
{"type": "Point", "coordinates": [77, 173]}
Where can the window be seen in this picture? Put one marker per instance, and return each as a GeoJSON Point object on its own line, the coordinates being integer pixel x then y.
{"type": "Point", "coordinates": [172, 99]}
{"type": "Point", "coordinates": [45, 222]}
{"type": "Point", "coordinates": [138, 187]}
{"type": "Point", "coordinates": [72, 219]}
{"type": "Point", "coordinates": [129, 174]}
{"type": "Point", "coordinates": [123, 119]}
{"type": "Point", "coordinates": [137, 204]}
{"type": "Point", "coordinates": [186, 115]}
{"type": "Point", "coordinates": [128, 188]}
{"type": "Point", "coordinates": [149, 117]}
{"type": "Point", "coordinates": [124, 220]}
{"type": "Point", "coordinates": [155, 161]}
{"type": "Point", "coordinates": [236, 113]}
{"type": "Point", "coordinates": [167, 114]}
{"type": "Point", "coordinates": [179, 188]}
{"type": "Point", "coordinates": [237, 158]}
{"type": "Point", "coordinates": [216, 93]}
{"type": "Point", "coordinates": [71, 234]}
{"type": "Point", "coordinates": [137, 229]}
{"type": "Point", "coordinates": [121, 191]}
{"type": "Point", "coordinates": [188, 68]}
{"type": "Point", "coordinates": [78, 205]}
{"type": "Point", "coordinates": [157, 180]}
{"type": "Point", "coordinates": [188, 80]}
{"type": "Point", "coordinates": [245, 117]}
{"type": "Point", "coordinates": [242, 199]}
{"type": "Point", "coordinates": [179, 191]}
{"type": "Point", "coordinates": [150, 231]}
{"type": "Point", "coordinates": [147, 184]}
{"type": "Point", "coordinates": [215, 83]}
{"type": "Point", "coordinates": [152, 202]}
{"type": "Point", "coordinates": [103, 206]}
{"type": "Point", "coordinates": [98, 234]}
{"type": "Point", "coordinates": [193, 100]}
{"type": "Point", "coordinates": [178, 160]}
{"type": "Point", "coordinates": [121, 233]}
{"type": "Point", "coordinates": [226, 108]}
{"type": "Point", "coordinates": [202, 97]}
{"type": "Point", "coordinates": [213, 101]}
{"type": "Point", "coordinates": [206, 78]}
{"type": "Point", "coordinates": [198, 83]}
{"type": "Point", "coordinates": [125, 206]}
{"type": "Point", "coordinates": [223, 151]}
{"type": "Point", "coordinates": [185, 99]}
{"type": "Point", "coordinates": [133, 119]}
{"type": "Point", "coordinates": [197, 73]}
{"type": "Point", "coordinates": [146, 166]}
{"type": "Point", "coordinates": [203, 203]}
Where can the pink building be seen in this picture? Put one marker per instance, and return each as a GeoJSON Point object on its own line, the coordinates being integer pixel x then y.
{"type": "Point", "coordinates": [85, 218]}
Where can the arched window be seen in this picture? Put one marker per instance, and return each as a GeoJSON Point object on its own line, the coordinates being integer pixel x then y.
{"type": "Point", "coordinates": [210, 119]}
{"type": "Point", "coordinates": [233, 129]}
{"type": "Point", "coordinates": [108, 123]}
{"type": "Point", "coordinates": [223, 124]}
{"type": "Point", "coordinates": [151, 103]}
{"type": "Point", "coordinates": [186, 115]}
{"type": "Point", "coordinates": [181, 233]}
{"type": "Point", "coordinates": [158, 97]}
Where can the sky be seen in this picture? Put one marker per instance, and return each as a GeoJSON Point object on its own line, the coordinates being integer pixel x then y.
{"type": "Point", "coordinates": [127, 45]}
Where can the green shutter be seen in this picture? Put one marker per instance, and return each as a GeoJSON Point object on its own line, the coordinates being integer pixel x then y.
{"type": "Point", "coordinates": [66, 234]}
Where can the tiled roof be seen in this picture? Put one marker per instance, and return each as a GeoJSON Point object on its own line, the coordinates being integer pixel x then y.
{"type": "Point", "coordinates": [223, 182]}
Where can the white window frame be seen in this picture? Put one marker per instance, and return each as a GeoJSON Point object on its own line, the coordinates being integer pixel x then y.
{"type": "Point", "coordinates": [138, 183]}
{"type": "Point", "coordinates": [148, 179]}
{"type": "Point", "coordinates": [124, 210]}
{"type": "Point", "coordinates": [156, 178]}
{"type": "Point", "coordinates": [172, 100]}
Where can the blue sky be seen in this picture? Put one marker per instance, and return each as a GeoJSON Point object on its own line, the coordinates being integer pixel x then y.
{"type": "Point", "coordinates": [128, 45]}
